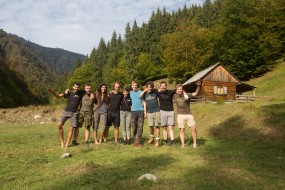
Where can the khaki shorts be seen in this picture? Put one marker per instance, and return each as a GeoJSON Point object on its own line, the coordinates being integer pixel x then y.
{"type": "Point", "coordinates": [183, 119]}
{"type": "Point", "coordinates": [167, 118]}
{"type": "Point", "coordinates": [71, 116]}
{"type": "Point", "coordinates": [153, 119]}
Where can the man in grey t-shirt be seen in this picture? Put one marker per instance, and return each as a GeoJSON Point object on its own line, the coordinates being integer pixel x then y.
{"type": "Point", "coordinates": [152, 112]}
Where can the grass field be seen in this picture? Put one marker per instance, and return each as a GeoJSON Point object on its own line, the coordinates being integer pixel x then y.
{"type": "Point", "coordinates": [240, 146]}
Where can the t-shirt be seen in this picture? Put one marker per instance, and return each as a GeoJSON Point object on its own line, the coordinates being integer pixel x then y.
{"type": "Point", "coordinates": [87, 103]}
{"type": "Point", "coordinates": [183, 106]}
{"type": "Point", "coordinates": [115, 101]}
{"type": "Point", "coordinates": [126, 103]}
{"type": "Point", "coordinates": [151, 102]}
{"type": "Point", "coordinates": [165, 99]}
{"type": "Point", "coordinates": [136, 100]}
{"type": "Point", "coordinates": [73, 100]}
{"type": "Point", "coordinates": [102, 108]}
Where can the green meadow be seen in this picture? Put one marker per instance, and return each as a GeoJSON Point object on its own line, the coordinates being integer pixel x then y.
{"type": "Point", "coordinates": [240, 146]}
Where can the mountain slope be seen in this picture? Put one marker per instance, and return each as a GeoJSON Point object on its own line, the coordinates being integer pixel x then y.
{"type": "Point", "coordinates": [28, 69]}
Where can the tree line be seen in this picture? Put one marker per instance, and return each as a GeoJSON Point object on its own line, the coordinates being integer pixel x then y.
{"type": "Point", "coordinates": [247, 36]}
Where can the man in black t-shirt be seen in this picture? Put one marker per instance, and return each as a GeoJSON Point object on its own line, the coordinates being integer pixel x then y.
{"type": "Point", "coordinates": [113, 116]}
{"type": "Point", "coordinates": [166, 110]}
{"type": "Point", "coordinates": [70, 112]}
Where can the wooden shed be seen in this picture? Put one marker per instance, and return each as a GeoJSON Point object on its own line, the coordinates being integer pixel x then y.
{"type": "Point", "coordinates": [216, 83]}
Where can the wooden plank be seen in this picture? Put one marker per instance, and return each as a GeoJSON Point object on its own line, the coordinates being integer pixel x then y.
{"type": "Point", "coordinates": [220, 74]}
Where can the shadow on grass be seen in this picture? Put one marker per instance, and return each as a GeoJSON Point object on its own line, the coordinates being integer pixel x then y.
{"type": "Point", "coordinates": [242, 156]}
{"type": "Point", "coordinates": [274, 115]}
{"type": "Point", "coordinates": [123, 176]}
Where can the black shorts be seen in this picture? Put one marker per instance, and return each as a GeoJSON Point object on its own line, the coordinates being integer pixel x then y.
{"type": "Point", "coordinates": [113, 118]}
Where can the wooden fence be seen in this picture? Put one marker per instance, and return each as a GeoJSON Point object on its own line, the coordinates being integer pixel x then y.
{"type": "Point", "coordinates": [245, 98]}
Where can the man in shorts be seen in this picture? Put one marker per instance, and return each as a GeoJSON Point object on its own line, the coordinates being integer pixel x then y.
{"type": "Point", "coordinates": [152, 112]}
{"type": "Point", "coordinates": [184, 115]}
{"type": "Point", "coordinates": [166, 110]}
{"type": "Point", "coordinates": [86, 111]}
{"type": "Point", "coordinates": [70, 113]}
{"type": "Point", "coordinates": [113, 116]}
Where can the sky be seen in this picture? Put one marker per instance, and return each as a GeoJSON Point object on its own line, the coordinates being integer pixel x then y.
{"type": "Point", "coordinates": [77, 25]}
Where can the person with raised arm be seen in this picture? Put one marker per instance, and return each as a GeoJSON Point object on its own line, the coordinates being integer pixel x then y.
{"type": "Point", "coordinates": [152, 112]}
{"type": "Point", "coordinates": [184, 115]}
{"type": "Point", "coordinates": [166, 110]}
{"type": "Point", "coordinates": [70, 113]}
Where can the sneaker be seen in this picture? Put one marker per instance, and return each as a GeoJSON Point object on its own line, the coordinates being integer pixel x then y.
{"type": "Point", "coordinates": [125, 142]}
{"type": "Point", "coordinates": [86, 143]}
{"type": "Point", "coordinates": [128, 141]}
{"type": "Point", "coordinates": [150, 141]}
{"type": "Point", "coordinates": [74, 143]}
{"type": "Point", "coordinates": [165, 142]}
{"type": "Point", "coordinates": [156, 144]}
{"type": "Point", "coordinates": [137, 145]}
{"type": "Point", "coordinates": [194, 145]}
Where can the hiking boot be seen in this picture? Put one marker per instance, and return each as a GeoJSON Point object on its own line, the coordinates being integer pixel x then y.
{"type": "Point", "coordinates": [156, 143]}
{"type": "Point", "coordinates": [125, 142]}
{"type": "Point", "coordinates": [150, 141]}
{"type": "Point", "coordinates": [128, 141]}
{"type": "Point", "coordinates": [74, 143]}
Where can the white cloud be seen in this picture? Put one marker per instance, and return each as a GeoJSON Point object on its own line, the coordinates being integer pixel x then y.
{"type": "Point", "coordinates": [77, 25]}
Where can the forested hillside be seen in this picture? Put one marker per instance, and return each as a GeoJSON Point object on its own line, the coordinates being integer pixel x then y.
{"type": "Point", "coordinates": [246, 36]}
{"type": "Point", "coordinates": [27, 70]}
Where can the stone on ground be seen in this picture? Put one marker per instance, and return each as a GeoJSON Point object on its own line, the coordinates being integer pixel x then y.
{"type": "Point", "coordinates": [65, 155]}
{"type": "Point", "coordinates": [148, 177]}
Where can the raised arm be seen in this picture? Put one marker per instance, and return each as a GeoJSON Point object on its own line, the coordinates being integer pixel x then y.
{"type": "Point", "coordinates": [143, 92]}
{"type": "Point", "coordinates": [197, 89]}
{"type": "Point", "coordinates": [55, 93]}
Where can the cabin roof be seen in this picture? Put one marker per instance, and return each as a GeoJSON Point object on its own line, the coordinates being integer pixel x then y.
{"type": "Point", "coordinates": [200, 75]}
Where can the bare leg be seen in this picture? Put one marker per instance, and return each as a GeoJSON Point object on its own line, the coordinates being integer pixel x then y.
{"type": "Point", "coordinates": [157, 131]}
{"type": "Point", "coordinates": [87, 134]}
{"type": "Point", "coordinates": [95, 137]}
{"type": "Point", "coordinates": [182, 137]}
{"type": "Point", "coordinates": [116, 134]}
{"type": "Point", "coordinates": [151, 131]}
{"type": "Point", "coordinates": [171, 132]}
{"type": "Point", "coordinates": [60, 130]}
{"type": "Point", "coordinates": [106, 133]}
{"type": "Point", "coordinates": [76, 133]}
{"type": "Point", "coordinates": [69, 135]}
{"type": "Point", "coordinates": [101, 137]}
{"type": "Point", "coordinates": [194, 135]}
{"type": "Point", "coordinates": [165, 132]}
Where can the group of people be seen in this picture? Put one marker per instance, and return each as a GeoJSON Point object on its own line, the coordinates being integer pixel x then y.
{"type": "Point", "coordinates": [127, 109]}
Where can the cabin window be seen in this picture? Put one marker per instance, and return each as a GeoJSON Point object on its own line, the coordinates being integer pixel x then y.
{"type": "Point", "coordinates": [220, 90]}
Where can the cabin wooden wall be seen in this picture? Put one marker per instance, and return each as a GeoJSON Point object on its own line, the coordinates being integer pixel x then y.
{"type": "Point", "coordinates": [207, 90]}
{"type": "Point", "coordinates": [220, 74]}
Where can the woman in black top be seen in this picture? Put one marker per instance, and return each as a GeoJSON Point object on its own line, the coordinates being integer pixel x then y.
{"type": "Point", "coordinates": [125, 116]}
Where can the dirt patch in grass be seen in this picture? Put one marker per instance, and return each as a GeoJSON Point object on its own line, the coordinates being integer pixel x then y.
{"type": "Point", "coordinates": [30, 115]}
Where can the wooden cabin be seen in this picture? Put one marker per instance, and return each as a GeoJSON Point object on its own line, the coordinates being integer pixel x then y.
{"type": "Point", "coordinates": [216, 83]}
